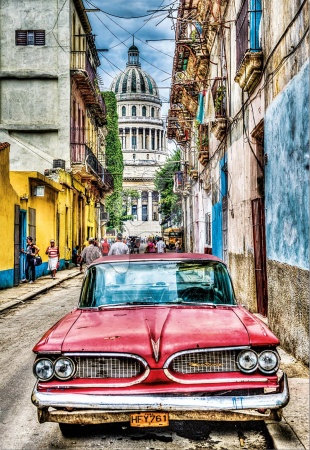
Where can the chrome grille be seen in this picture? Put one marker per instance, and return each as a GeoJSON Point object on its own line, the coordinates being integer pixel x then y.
{"type": "Point", "coordinates": [105, 367]}
{"type": "Point", "coordinates": [205, 362]}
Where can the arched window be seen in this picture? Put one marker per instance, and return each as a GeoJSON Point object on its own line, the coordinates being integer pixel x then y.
{"type": "Point", "coordinates": [134, 111]}
{"type": "Point", "coordinates": [143, 111]}
{"type": "Point", "coordinates": [123, 111]}
{"type": "Point", "coordinates": [152, 112]}
{"type": "Point", "coordinates": [147, 156]}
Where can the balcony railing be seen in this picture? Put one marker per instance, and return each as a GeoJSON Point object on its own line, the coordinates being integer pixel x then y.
{"type": "Point", "coordinates": [80, 61]}
{"type": "Point", "coordinates": [88, 82]}
{"type": "Point", "coordinates": [82, 154]}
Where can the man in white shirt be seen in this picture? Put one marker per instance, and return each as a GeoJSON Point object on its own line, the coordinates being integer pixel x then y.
{"type": "Point", "coordinates": [161, 246]}
{"type": "Point", "coordinates": [118, 248]}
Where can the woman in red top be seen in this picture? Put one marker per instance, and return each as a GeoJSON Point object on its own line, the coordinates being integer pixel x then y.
{"type": "Point", "coordinates": [53, 258]}
{"type": "Point", "coordinates": [105, 247]}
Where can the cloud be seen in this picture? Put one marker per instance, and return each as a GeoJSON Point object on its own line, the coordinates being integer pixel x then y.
{"type": "Point", "coordinates": [116, 35]}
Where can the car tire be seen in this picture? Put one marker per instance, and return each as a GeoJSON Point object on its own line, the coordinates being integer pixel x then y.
{"type": "Point", "coordinates": [69, 430]}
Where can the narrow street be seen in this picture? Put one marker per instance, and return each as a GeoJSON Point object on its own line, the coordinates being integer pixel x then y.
{"type": "Point", "coordinates": [21, 327]}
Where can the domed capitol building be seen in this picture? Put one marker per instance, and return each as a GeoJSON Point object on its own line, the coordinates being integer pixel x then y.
{"type": "Point", "coordinates": [144, 144]}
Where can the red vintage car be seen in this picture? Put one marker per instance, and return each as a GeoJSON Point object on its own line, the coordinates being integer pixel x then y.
{"type": "Point", "coordinates": [157, 337]}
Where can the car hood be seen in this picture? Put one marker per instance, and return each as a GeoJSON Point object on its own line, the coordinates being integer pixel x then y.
{"type": "Point", "coordinates": [146, 331]}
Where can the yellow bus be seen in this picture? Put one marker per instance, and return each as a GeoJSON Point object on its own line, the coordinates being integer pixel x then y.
{"type": "Point", "coordinates": [171, 235]}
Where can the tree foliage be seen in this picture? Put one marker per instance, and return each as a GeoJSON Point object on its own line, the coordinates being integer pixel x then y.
{"type": "Point", "coordinates": [169, 201]}
{"type": "Point", "coordinates": [114, 161]}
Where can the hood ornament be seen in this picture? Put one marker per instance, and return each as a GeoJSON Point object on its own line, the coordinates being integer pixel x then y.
{"type": "Point", "coordinates": [155, 346]}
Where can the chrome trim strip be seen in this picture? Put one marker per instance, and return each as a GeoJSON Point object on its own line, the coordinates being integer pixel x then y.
{"type": "Point", "coordinates": [106, 354]}
{"type": "Point", "coordinates": [213, 381]}
{"type": "Point", "coordinates": [94, 384]}
{"type": "Point", "coordinates": [158, 403]}
{"type": "Point", "coordinates": [203, 350]}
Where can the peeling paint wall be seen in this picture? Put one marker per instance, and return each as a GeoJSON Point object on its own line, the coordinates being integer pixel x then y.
{"type": "Point", "coordinates": [287, 211]}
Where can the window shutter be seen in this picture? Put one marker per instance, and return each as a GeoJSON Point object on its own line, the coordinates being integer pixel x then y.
{"type": "Point", "coordinates": [20, 37]}
{"type": "Point", "coordinates": [39, 37]}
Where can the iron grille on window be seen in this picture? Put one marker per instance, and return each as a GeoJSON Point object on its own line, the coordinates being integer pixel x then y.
{"type": "Point", "coordinates": [247, 28]}
{"type": "Point", "coordinates": [30, 37]}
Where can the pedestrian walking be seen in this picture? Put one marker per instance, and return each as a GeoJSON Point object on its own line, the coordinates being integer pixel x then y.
{"type": "Point", "coordinates": [53, 258]}
{"type": "Point", "coordinates": [160, 246]}
{"type": "Point", "coordinates": [105, 247]}
{"type": "Point", "coordinates": [31, 251]}
{"type": "Point", "coordinates": [150, 248]}
{"type": "Point", "coordinates": [119, 248]}
{"type": "Point", "coordinates": [75, 255]}
{"type": "Point", "coordinates": [177, 246]}
{"type": "Point", "coordinates": [89, 253]}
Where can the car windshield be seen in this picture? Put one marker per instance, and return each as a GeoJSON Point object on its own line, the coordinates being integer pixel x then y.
{"type": "Point", "coordinates": [156, 283]}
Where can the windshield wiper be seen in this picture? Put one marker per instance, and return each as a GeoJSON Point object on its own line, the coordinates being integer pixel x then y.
{"type": "Point", "coordinates": [194, 303]}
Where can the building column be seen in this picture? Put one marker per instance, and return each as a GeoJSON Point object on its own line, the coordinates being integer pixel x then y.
{"type": "Point", "coordinates": [150, 139]}
{"type": "Point", "coordinates": [139, 207]}
{"type": "Point", "coordinates": [130, 138]}
{"type": "Point", "coordinates": [150, 207]}
{"type": "Point", "coordinates": [143, 139]}
{"type": "Point", "coordinates": [156, 138]}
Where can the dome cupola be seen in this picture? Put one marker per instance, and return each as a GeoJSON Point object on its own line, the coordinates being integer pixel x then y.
{"type": "Point", "coordinates": [134, 80]}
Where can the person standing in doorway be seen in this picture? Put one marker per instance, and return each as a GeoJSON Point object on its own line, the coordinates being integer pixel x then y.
{"type": "Point", "coordinates": [53, 258]}
{"type": "Point", "coordinates": [119, 248]}
{"type": "Point", "coordinates": [31, 251]}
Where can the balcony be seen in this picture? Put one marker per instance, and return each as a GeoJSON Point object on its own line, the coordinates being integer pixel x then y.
{"type": "Point", "coordinates": [250, 71]}
{"type": "Point", "coordinates": [85, 76]}
{"type": "Point", "coordinates": [87, 165]}
{"type": "Point", "coordinates": [219, 95]}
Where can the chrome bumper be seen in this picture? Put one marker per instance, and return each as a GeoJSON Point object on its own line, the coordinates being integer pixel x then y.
{"type": "Point", "coordinates": [85, 404]}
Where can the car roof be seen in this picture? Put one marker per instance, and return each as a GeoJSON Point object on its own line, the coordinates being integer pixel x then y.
{"type": "Point", "coordinates": [157, 257]}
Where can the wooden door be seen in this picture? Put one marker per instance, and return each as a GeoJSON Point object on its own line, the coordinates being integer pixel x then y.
{"type": "Point", "coordinates": [259, 238]}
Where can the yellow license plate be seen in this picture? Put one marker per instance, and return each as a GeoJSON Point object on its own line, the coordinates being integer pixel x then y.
{"type": "Point", "coordinates": [149, 420]}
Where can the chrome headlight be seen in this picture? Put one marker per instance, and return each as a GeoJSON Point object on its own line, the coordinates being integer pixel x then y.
{"type": "Point", "coordinates": [64, 368]}
{"type": "Point", "coordinates": [268, 361]}
{"type": "Point", "coordinates": [43, 369]}
{"type": "Point", "coordinates": [247, 361]}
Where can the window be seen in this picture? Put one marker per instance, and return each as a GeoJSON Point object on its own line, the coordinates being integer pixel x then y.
{"type": "Point", "coordinates": [134, 210]}
{"type": "Point", "coordinates": [147, 156]}
{"type": "Point", "coordinates": [143, 111]}
{"type": "Point", "coordinates": [134, 111]}
{"type": "Point", "coordinates": [30, 37]}
{"type": "Point", "coordinates": [123, 111]}
{"type": "Point", "coordinates": [152, 112]}
{"type": "Point", "coordinates": [247, 28]}
{"type": "Point", "coordinates": [134, 156]}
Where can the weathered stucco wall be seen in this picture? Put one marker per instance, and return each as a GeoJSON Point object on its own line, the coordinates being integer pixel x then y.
{"type": "Point", "coordinates": [287, 213]}
{"type": "Point", "coordinates": [35, 85]}
{"type": "Point", "coordinates": [288, 290]}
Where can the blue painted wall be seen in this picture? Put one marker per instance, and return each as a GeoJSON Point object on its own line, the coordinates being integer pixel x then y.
{"type": "Point", "coordinates": [287, 173]}
{"type": "Point", "coordinates": [217, 215]}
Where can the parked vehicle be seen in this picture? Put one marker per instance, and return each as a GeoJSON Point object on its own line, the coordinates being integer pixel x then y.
{"type": "Point", "coordinates": [157, 337]}
{"type": "Point", "coordinates": [171, 235]}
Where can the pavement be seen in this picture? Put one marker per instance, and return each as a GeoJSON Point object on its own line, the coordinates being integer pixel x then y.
{"type": "Point", "coordinates": [291, 433]}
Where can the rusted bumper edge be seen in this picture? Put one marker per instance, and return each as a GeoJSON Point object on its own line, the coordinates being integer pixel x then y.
{"type": "Point", "coordinates": [90, 409]}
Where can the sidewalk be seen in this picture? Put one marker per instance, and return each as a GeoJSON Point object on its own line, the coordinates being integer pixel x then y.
{"type": "Point", "coordinates": [292, 433]}
{"type": "Point", "coordinates": [25, 291]}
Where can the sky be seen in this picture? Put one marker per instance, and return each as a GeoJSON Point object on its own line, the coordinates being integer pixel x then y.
{"type": "Point", "coordinates": [152, 25]}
